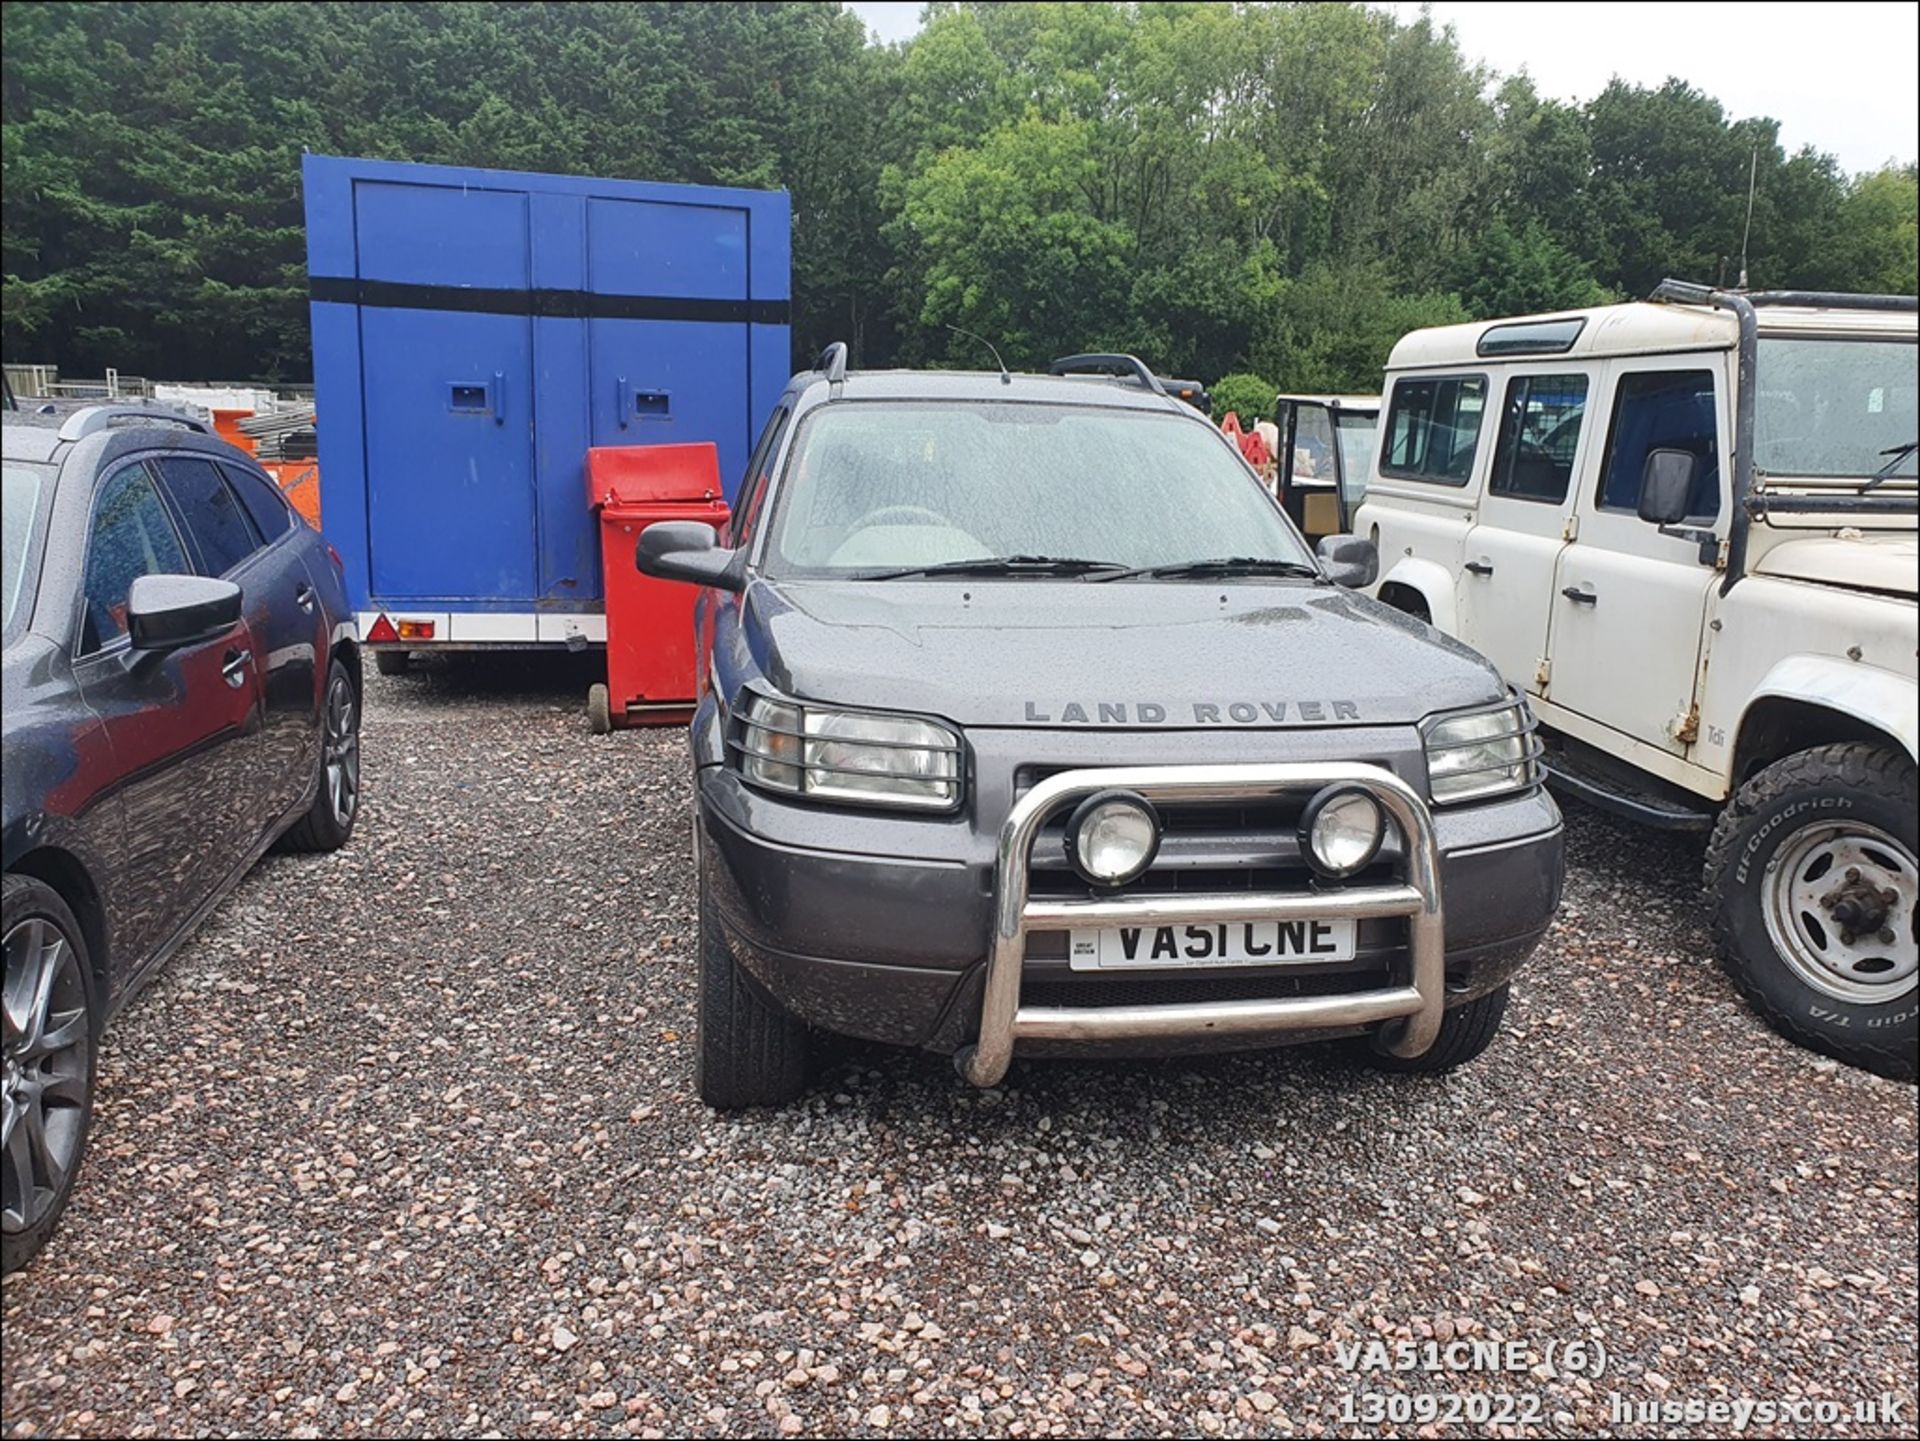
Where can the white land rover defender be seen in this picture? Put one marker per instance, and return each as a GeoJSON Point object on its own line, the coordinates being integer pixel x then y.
{"type": "Point", "coordinates": [1686, 529]}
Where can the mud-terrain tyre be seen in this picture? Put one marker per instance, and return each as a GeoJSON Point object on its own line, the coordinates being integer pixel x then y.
{"type": "Point", "coordinates": [747, 1051]}
{"type": "Point", "coordinates": [328, 823]}
{"type": "Point", "coordinates": [52, 1039]}
{"type": "Point", "coordinates": [1465, 1031]}
{"type": "Point", "coordinates": [393, 662]}
{"type": "Point", "coordinates": [1810, 828]}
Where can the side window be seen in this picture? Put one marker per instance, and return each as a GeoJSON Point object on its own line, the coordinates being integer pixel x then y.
{"type": "Point", "coordinates": [272, 516]}
{"type": "Point", "coordinates": [1539, 434]}
{"type": "Point", "coordinates": [132, 535]}
{"type": "Point", "coordinates": [1662, 410]}
{"type": "Point", "coordinates": [220, 529]}
{"type": "Point", "coordinates": [1433, 427]}
{"type": "Point", "coordinates": [753, 490]}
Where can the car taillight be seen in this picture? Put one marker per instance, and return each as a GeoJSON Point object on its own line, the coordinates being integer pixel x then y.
{"type": "Point", "coordinates": [416, 630]}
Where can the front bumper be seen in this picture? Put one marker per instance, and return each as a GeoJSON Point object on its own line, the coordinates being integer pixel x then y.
{"type": "Point", "coordinates": [1415, 1006]}
{"type": "Point", "coordinates": [935, 948]}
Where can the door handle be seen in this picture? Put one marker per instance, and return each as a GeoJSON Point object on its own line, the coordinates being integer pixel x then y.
{"type": "Point", "coordinates": [499, 397]}
{"type": "Point", "coordinates": [1479, 567]}
{"type": "Point", "coordinates": [622, 400]}
{"type": "Point", "coordinates": [303, 597]}
{"type": "Point", "coordinates": [234, 668]}
{"type": "Point", "coordinates": [1579, 596]}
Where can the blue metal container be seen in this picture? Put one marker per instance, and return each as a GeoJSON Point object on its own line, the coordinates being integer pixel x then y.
{"type": "Point", "coordinates": [475, 331]}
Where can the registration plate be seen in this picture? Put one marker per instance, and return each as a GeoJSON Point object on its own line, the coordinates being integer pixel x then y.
{"type": "Point", "coordinates": [1224, 943]}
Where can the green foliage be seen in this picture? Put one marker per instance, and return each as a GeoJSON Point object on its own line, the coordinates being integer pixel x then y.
{"type": "Point", "coordinates": [1281, 190]}
{"type": "Point", "coordinates": [1247, 396]}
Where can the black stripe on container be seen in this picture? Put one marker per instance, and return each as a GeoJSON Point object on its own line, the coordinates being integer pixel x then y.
{"type": "Point", "coordinates": [567, 304]}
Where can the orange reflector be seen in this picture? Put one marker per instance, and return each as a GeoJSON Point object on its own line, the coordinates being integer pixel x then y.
{"type": "Point", "coordinates": [416, 630]}
{"type": "Point", "coordinates": [382, 629]}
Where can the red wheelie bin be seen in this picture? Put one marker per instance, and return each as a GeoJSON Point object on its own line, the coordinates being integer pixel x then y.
{"type": "Point", "coordinates": [650, 642]}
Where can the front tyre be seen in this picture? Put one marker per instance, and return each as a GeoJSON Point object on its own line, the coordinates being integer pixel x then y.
{"type": "Point", "coordinates": [1814, 887]}
{"type": "Point", "coordinates": [48, 1040]}
{"type": "Point", "coordinates": [1465, 1031]}
{"type": "Point", "coordinates": [747, 1051]}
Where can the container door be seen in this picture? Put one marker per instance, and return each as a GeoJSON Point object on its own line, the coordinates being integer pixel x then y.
{"type": "Point", "coordinates": [447, 340]}
{"type": "Point", "coordinates": [667, 349]}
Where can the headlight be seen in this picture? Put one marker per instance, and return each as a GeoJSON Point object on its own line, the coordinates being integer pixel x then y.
{"type": "Point", "coordinates": [1484, 753]}
{"type": "Point", "coordinates": [856, 756]}
{"type": "Point", "coordinates": [1112, 837]}
{"type": "Point", "coordinates": [1342, 829]}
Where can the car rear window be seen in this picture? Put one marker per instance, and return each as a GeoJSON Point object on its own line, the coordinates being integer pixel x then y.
{"type": "Point", "coordinates": [1433, 427]}
{"type": "Point", "coordinates": [26, 488]}
{"type": "Point", "coordinates": [220, 528]}
{"type": "Point", "coordinates": [272, 516]}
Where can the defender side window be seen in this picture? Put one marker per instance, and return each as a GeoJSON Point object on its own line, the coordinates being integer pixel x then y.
{"type": "Point", "coordinates": [1662, 410]}
{"type": "Point", "coordinates": [1433, 427]}
{"type": "Point", "coordinates": [1539, 436]}
{"type": "Point", "coordinates": [132, 536]}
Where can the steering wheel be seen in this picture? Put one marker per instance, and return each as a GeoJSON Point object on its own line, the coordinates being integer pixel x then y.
{"type": "Point", "coordinates": [903, 515]}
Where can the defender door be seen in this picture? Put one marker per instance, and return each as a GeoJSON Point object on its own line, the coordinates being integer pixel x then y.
{"type": "Point", "coordinates": [1525, 516]}
{"type": "Point", "coordinates": [1629, 603]}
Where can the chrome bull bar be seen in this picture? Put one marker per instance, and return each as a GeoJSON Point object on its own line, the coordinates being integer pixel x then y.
{"type": "Point", "coordinates": [1417, 1006]}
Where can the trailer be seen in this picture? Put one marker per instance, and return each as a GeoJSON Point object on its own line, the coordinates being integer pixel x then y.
{"type": "Point", "coordinates": [475, 333]}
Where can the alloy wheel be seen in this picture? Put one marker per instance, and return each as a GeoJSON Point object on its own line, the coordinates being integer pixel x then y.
{"type": "Point", "coordinates": [341, 750]}
{"type": "Point", "coordinates": [43, 1102]}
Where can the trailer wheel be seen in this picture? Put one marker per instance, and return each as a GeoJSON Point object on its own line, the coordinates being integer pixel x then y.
{"type": "Point", "coordinates": [1813, 882]}
{"type": "Point", "coordinates": [392, 662]}
{"type": "Point", "coordinates": [599, 710]}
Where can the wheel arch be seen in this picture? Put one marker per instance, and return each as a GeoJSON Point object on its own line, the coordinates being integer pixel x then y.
{"type": "Point", "coordinates": [67, 874]}
{"type": "Point", "coordinates": [1414, 585]}
{"type": "Point", "coordinates": [1808, 701]}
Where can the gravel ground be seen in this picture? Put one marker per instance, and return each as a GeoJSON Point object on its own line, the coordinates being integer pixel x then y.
{"type": "Point", "coordinates": [404, 1141]}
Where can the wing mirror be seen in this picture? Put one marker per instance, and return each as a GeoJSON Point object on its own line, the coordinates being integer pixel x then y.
{"type": "Point", "coordinates": [1666, 486]}
{"type": "Point", "coordinates": [687, 550]}
{"type": "Point", "coordinates": [1349, 561]}
{"type": "Point", "coordinates": [166, 612]}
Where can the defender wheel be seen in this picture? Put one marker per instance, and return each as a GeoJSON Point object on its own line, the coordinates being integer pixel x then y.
{"type": "Point", "coordinates": [49, 1043]}
{"type": "Point", "coordinates": [1814, 887]}
{"type": "Point", "coordinates": [748, 1052]}
{"type": "Point", "coordinates": [599, 710]}
{"type": "Point", "coordinates": [329, 820]}
{"type": "Point", "coordinates": [1465, 1031]}
{"type": "Point", "coordinates": [392, 662]}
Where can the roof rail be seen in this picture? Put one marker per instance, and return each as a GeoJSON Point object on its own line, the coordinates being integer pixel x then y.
{"type": "Point", "coordinates": [83, 423]}
{"type": "Point", "coordinates": [833, 362]}
{"type": "Point", "coordinates": [1688, 293]}
{"type": "Point", "coordinates": [1108, 364]}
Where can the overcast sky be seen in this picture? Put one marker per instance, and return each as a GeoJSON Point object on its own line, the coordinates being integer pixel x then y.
{"type": "Point", "coordinates": [1842, 77]}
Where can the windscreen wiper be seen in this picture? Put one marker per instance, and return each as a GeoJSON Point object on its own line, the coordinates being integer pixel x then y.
{"type": "Point", "coordinates": [1037, 565]}
{"type": "Point", "coordinates": [1885, 472]}
{"type": "Point", "coordinates": [1220, 565]}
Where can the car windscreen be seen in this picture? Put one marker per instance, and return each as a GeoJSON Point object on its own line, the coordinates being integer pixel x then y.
{"type": "Point", "coordinates": [1834, 409]}
{"type": "Point", "coordinates": [24, 490]}
{"type": "Point", "coordinates": [872, 486]}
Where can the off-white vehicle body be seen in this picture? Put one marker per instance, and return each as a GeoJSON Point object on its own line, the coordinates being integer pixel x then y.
{"type": "Point", "coordinates": [1672, 663]}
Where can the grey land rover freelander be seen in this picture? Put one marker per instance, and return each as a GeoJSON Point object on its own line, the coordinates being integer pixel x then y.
{"type": "Point", "coordinates": [1030, 726]}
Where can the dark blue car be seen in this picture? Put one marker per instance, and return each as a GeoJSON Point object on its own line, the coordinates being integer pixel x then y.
{"type": "Point", "coordinates": [182, 691]}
